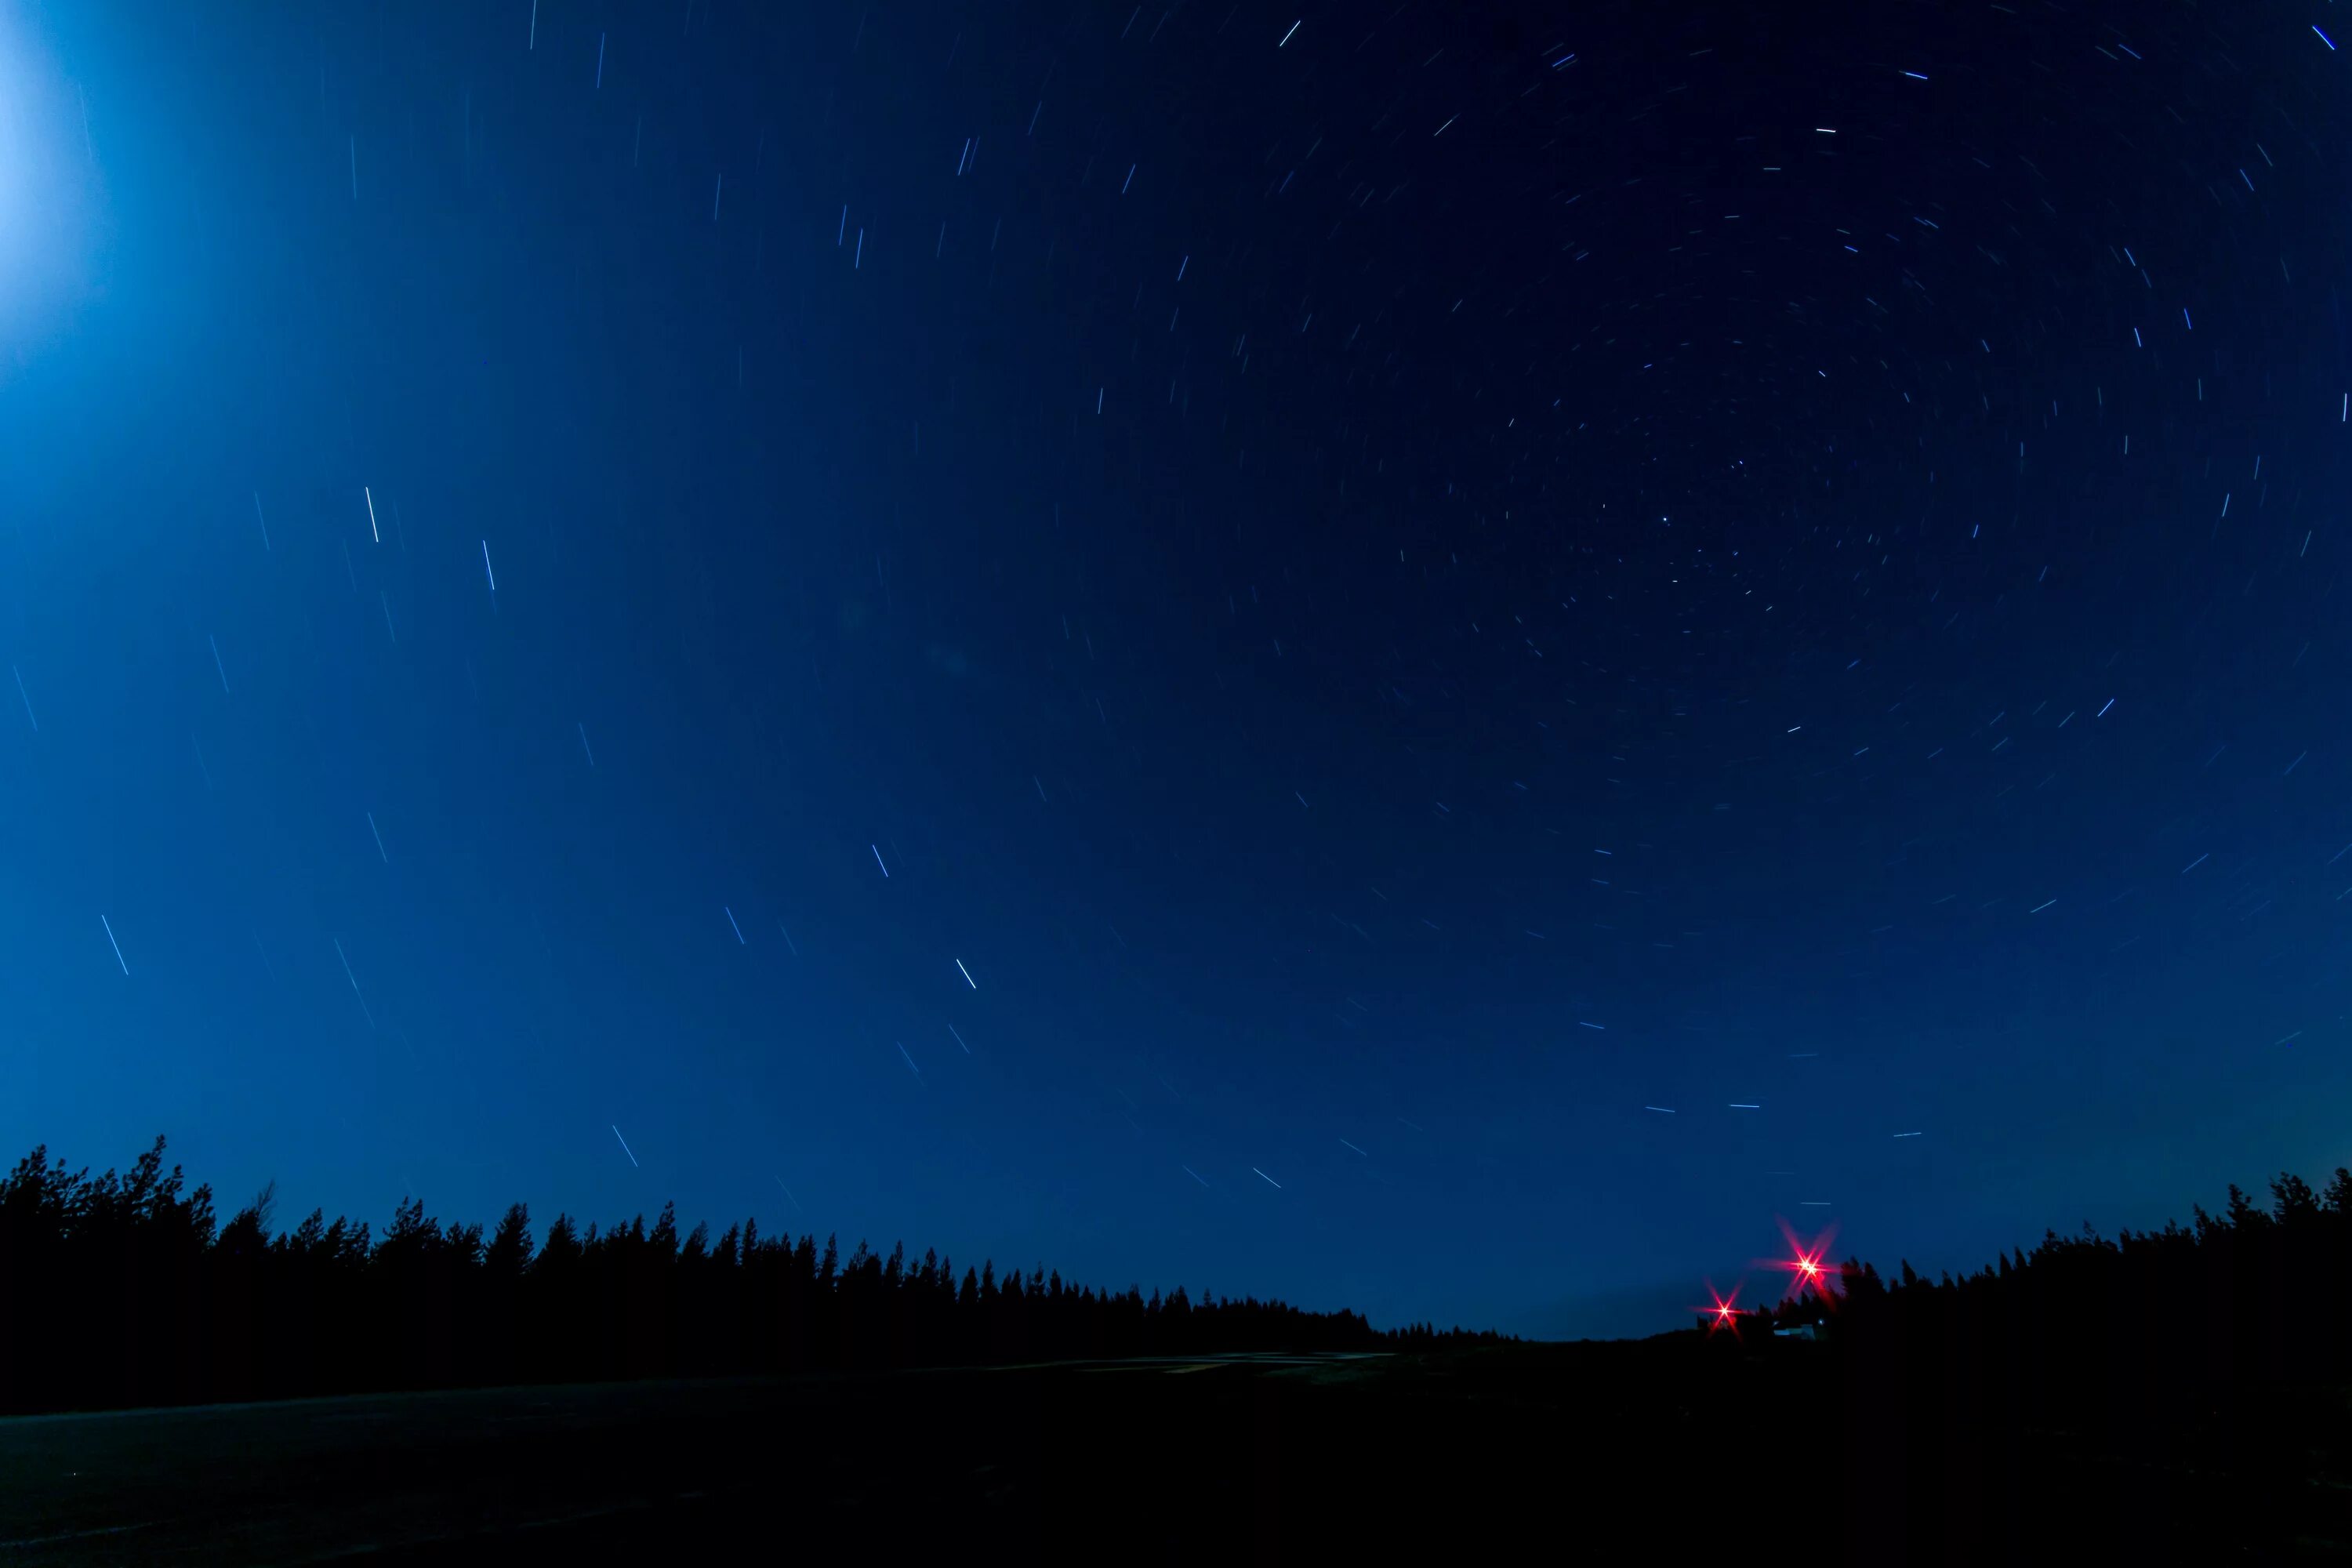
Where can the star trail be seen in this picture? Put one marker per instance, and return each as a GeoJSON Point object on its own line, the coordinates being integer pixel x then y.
{"type": "Point", "coordinates": [1424, 592]}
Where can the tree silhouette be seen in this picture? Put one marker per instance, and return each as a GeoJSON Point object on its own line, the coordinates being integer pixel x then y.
{"type": "Point", "coordinates": [122, 1291]}
{"type": "Point", "coordinates": [2206, 1337]}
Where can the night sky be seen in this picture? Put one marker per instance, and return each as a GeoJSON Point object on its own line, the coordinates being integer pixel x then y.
{"type": "Point", "coordinates": [1382, 655]}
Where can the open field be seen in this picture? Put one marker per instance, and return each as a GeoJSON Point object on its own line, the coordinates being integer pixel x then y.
{"type": "Point", "coordinates": [1573, 1450]}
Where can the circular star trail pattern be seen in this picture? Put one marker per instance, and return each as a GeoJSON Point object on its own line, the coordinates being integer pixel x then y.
{"type": "Point", "coordinates": [1415, 656]}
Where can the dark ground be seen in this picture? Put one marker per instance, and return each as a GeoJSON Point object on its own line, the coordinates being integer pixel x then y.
{"type": "Point", "coordinates": [1650, 1450]}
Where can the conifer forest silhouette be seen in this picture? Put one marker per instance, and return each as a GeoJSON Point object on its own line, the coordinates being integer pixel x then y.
{"type": "Point", "coordinates": [125, 1290]}
{"type": "Point", "coordinates": [2191, 1376]}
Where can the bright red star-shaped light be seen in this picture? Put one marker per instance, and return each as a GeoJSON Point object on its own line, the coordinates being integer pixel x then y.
{"type": "Point", "coordinates": [1808, 1267]}
{"type": "Point", "coordinates": [1725, 1313]}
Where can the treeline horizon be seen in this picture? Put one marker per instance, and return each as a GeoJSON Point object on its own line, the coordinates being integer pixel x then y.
{"type": "Point", "coordinates": [2201, 1360]}
{"type": "Point", "coordinates": [126, 1291]}
{"type": "Point", "coordinates": [2226, 1303]}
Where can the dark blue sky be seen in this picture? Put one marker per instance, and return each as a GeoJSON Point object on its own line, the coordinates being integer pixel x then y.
{"type": "Point", "coordinates": [1504, 647]}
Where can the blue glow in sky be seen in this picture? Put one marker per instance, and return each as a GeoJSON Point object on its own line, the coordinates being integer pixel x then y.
{"type": "Point", "coordinates": [1403, 661]}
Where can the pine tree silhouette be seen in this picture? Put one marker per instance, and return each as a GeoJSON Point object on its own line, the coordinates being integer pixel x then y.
{"type": "Point", "coordinates": [121, 1289]}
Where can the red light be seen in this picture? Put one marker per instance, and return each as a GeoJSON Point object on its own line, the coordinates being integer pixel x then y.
{"type": "Point", "coordinates": [1808, 1269]}
{"type": "Point", "coordinates": [1725, 1313]}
